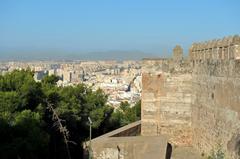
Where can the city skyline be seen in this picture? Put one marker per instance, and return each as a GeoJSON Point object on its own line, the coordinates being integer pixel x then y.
{"type": "Point", "coordinates": [104, 29]}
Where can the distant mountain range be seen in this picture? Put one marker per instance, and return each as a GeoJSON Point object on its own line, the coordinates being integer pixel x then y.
{"type": "Point", "coordinates": [105, 55]}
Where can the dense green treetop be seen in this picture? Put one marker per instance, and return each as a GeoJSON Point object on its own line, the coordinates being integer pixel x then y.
{"type": "Point", "coordinates": [29, 129]}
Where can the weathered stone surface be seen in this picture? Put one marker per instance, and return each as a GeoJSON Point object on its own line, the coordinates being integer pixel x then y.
{"type": "Point", "coordinates": [195, 102]}
{"type": "Point", "coordinates": [166, 102]}
{"type": "Point", "coordinates": [226, 48]}
{"type": "Point", "coordinates": [216, 106]}
{"type": "Point", "coordinates": [130, 148]}
{"type": "Point", "coordinates": [186, 153]}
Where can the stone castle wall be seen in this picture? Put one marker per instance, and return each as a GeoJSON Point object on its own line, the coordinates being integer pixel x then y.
{"type": "Point", "coordinates": [195, 102]}
{"type": "Point", "coordinates": [134, 147]}
{"type": "Point", "coordinates": [216, 97]}
{"type": "Point", "coordinates": [166, 101]}
{"type": "Point", "coordinates": [216, 105]}
{"type": "Point", "coordinates": [218, 49]}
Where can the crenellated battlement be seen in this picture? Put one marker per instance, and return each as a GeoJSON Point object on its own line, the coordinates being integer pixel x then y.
{"type": "Point", "coordinates": [219, 49]}
{"type": "Point", "coordinates": [195, 101]}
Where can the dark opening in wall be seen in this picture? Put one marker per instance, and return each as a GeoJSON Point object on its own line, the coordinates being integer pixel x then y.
{"type": "Point", "coordinates": [169, 151]}
{"type": "Point", "coordinates": [212, 95]}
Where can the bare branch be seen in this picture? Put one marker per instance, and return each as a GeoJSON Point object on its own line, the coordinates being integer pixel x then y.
{"type": "Point", "coordinates": [58, 124]}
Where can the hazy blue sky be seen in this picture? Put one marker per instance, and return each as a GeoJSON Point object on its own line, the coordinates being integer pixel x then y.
{"type": "Point", "coordinates": [29, 28]}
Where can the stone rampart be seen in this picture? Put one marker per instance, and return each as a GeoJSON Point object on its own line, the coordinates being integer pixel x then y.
{"type": "Point", "coordinates": [196, 101]}
{"type": "Point", "coordinates": [137, 147]}
{"type": "Point", "coordinates": [216, 106]}
{"type": "Point", "coordinates": [166, 100]}
{"type": "Point", "coordinates": [226, 48]}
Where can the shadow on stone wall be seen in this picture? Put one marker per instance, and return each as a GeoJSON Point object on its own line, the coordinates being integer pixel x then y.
{"type": "Point", "coordinates": [169, 151]}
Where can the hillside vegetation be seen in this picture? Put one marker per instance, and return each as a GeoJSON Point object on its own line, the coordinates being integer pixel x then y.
{"type": "Point", "coordinates": [39, 120]}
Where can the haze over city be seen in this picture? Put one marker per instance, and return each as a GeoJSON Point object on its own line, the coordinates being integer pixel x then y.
{"type": "Point", "coordinates": [43, 30]}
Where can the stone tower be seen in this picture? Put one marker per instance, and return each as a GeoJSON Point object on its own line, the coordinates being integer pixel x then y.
{"type": "Point", "coordinates": [177, 53]}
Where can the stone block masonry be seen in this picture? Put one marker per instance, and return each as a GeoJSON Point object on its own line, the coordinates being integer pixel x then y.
{"type": "Point", "coordinates": [226, 49]}
{"type": "Point", "coordinates": [166, 101]}
{"type": "Point", "coordinates": [135, 147]}
{"type": "Point", "coordinates": [195, 101]}
{"type": "Point", "coordinates": [216, 106]}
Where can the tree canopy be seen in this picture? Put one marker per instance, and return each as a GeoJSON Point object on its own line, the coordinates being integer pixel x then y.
{"type": "Point", "coordinates": [30, 129]}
